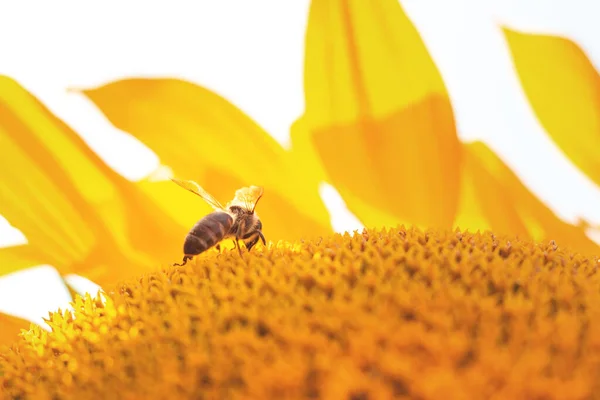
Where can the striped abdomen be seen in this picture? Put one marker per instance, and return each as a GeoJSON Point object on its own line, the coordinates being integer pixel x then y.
{"type": "Point", "coordinates": [207, 232]}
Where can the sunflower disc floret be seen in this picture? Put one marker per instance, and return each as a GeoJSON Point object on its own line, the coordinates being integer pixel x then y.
{"type": "Point", "coordinates": [380, 314]}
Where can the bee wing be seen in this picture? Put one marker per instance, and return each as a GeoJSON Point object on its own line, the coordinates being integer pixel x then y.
{"type": "Point", "coordinates": [197, 189]}
{"type": "Point", "coordinates": [247, 197]}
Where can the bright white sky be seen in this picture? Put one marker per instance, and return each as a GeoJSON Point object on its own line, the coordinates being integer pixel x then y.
{"type": "Point", "coordinates": [253, 56]}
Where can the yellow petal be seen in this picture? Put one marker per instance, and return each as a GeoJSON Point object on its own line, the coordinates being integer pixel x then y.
{"type": "Point", "coordinates": [563, 88]}
{"type": "Point", "coordinates": [378, 114]}
{"type": "Point", "coordinates": [77, 214]}
{"type": "Point", "coordinates": [15, 258]}
{"type": "Point", "coordinates": [203, 137]}
{"type": "Point", "coordinates": [493, 198]}
{"type": "Point", "coordinates": [10, 327]}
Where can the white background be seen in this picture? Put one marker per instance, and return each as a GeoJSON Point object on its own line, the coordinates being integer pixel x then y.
{"type": "Point", "coordinates": [252, 53]}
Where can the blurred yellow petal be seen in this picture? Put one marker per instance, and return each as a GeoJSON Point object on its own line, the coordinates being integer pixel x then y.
{"type": "Point", "coordinates": [19, 257]}
{"type": "Point", "coordinates": [77, 214]}
{"type": "Point", "coordinates": [493, 198]}
{"type": "Point", "coordinates": [303, 153]}
{"type": "Point", "coordinates": [378, 114]}
{"type": "Point", "coordinates": [10, 327]}
{"type": "Point", "coordinates": [203, 137]}
{"type": "Point", "coordinates": [563, 88]}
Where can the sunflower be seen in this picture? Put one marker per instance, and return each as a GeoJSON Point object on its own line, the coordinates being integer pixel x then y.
{"type": "Point", "coordinates": [380, 314]}
{"type": "Point", "coordinates": [378, 125]}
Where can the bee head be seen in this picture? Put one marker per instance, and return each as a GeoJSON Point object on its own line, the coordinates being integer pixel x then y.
{"type": "Point", "coordinates": [254, 232]}
{"type": "Point", "coordinates": [248, 226]}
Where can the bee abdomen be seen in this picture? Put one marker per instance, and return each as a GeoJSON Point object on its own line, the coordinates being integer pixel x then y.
{"type": "Point", "coordinates": [207, 232]}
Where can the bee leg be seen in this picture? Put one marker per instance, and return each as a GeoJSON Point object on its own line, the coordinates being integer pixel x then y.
{"type": "Point", "coordinates": [250, 245]}
{"type": "Point", "coordinates": [237, 240]}
{"type": "Point", "coordinates": [185, 259]}
{"type": "Point", "coordinates": [237, 244]}
{"type": "Point", "coordinates": [254, 238]}
{"type": "Point", "coordinates": [218, 247]}
{"type": "Point", "coordinates": [262, 238]}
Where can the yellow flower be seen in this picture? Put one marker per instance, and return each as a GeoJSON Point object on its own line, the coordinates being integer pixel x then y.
{"type": "Point", "coordinates": [382, 313]}
{"type": "Point", "coordinates": [378, 126]}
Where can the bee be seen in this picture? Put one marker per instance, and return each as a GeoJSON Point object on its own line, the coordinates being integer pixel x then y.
{"type": "Point", "coordinates": [237, 220]}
